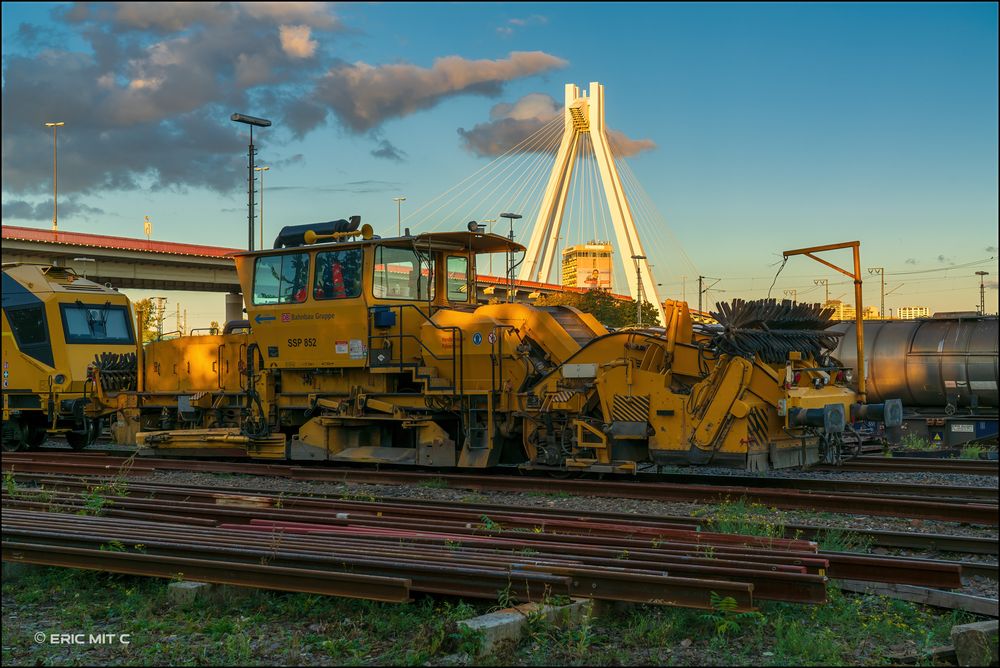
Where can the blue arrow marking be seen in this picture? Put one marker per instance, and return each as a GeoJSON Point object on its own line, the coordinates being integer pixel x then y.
{"type": "Point", "coordinates": [259, 318]}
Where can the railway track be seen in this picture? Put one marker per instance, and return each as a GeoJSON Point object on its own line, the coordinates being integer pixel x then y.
{"type": "Point", "coordinates": [81, 461]}
{"type": "Point", "coordinates": [959, 504]}
{"type": "Point", "coordinates": [915, 465]}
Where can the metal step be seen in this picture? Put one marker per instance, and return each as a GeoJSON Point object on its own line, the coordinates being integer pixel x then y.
{"type": "Point", "coordinates": [477, 432]}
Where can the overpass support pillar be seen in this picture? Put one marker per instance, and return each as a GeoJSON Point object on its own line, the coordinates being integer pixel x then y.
{"type": "Point", "coordinates": [234, 306]}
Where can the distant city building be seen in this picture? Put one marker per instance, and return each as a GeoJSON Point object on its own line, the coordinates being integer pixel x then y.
{"type": "Point", "coordinates": [841, 310]}
{"type": "Point", "coordinates": [913, 312]}
{"type": "Point", "coordinates": [871, 313]}
{"type": "Point", "coordinates": [588, 265]}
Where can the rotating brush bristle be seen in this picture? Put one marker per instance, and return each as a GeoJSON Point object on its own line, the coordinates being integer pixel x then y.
{"type": "Point", "coordinates": [770, 329]}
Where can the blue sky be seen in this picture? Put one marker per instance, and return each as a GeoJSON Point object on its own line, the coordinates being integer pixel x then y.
{"type": "Point", "coordinates": [775, 126]}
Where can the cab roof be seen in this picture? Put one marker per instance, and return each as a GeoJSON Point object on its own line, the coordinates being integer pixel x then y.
{"type": "Point", "coordinates": [445, 241]}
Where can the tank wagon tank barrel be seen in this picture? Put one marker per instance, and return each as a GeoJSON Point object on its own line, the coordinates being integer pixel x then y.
{"type": "Point", "coordinates": [944, 370]}
{"type": "Point", "coordinates": [927, 363]}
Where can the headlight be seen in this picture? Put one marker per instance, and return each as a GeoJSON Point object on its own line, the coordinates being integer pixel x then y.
{"type": "Point", "coordinates": [849, 375]}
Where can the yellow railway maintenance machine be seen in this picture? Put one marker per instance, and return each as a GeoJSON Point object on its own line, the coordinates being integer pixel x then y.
{"type": "Point", "coordinates": [364, 349]}
{"type": "Point", "coordinates": [58, 329]}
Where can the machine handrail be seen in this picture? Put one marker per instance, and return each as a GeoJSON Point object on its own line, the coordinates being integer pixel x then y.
{"type": "Point", "coordinates": [457, 367]}
{"type": "Point", "coordinates": [496, 358]}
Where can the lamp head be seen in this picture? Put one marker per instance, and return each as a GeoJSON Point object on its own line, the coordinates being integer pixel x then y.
{"type": "Point", "coordinates": [250, 120]}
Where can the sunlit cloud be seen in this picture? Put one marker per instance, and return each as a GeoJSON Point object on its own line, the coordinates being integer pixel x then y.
{"type": "Point", "coordinates": [295, 41]}
{"type": "Point", "coordinates": [512, 124]}
{"type": "Point", "coordinates": [364, 96]}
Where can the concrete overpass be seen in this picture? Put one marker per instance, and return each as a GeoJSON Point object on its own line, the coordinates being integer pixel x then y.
{"type": "Point", "coordinates": [124, 262]}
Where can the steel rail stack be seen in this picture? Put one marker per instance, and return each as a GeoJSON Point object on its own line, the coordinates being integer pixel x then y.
{"type": "Point", "coordinates": [456, 552]}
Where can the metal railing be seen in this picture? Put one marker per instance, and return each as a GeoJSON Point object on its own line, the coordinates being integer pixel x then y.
{"type": "Point", "coordinates": [457, 342]}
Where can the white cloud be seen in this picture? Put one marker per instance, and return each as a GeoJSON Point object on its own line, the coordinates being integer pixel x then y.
{"type": "Point", "coordinates": [140, 84]}
{"type": "Point", "coordinates": [363, 96]}
{"type": "Point", "coordinates": [315, 14]}
{"type": "Point", "coordinates": [295, 41]}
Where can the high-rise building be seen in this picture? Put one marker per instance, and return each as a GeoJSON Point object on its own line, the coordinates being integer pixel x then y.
{"type": "Point", "coordinates": [913, 312]}
{"type": "Point", "coordinates": [588, 265]}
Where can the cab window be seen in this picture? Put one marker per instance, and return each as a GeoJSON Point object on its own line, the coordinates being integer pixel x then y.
{"type": "Point", "coordinates": [94, 323]}
{"type": "Point", "coordinates": [338, 274]}
{"type": "Point", "coordinates": [401, 273]}
{"type": "Point", "coordinates": [281, 279]}
{"type": "Point", "coordinates": [28, 324]}
{"type": "Point", "coordinates": [458, 279]}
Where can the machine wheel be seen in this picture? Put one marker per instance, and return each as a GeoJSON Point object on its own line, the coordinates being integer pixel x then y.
{"type": "Point", "coordinates": [35, 434]}
{"type": "Point", "coordinates": [13, 437]}
{"type": "Point", "coordinates": [78, 440]}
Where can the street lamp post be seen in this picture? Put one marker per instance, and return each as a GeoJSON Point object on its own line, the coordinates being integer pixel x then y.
{"type": "Point", "coordinates": [251, 152]}
{"type": "Point", "coordinates": [793, 293]}
{"type": "Point", "coordinates": [490, 221]}
{"type": "Point", "coordinates": [399, 214]}
{"type": "Point", "coordinates": [261, 170]}
{"type": "Point", "coordinates": [55, 178]}
{"type": "Point", "coordinates": [982, 291]}
{"type": "Point", "coordinates": [638, 281]}
{"type": "Point", "coordinates": [511, 217]}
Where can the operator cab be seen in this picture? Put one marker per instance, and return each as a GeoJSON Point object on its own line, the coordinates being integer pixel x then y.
{"type": "Point", "coordinates": [321, 263]}
{"type": "Point", "coordinates": [340, 277]}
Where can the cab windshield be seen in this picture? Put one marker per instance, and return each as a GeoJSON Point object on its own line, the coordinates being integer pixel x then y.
{"type": "Point", "coordinates": [281, 279]}
{"type": "Point", "coordinates": [401, 273]}
{"type": "Point", "coordinates": [95, 323]}
{"type": "Point", "coordinates": [338, 274]}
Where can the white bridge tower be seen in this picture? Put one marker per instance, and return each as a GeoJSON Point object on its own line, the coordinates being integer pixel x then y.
{"type": "Point", "coordinates": [585, 114]}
